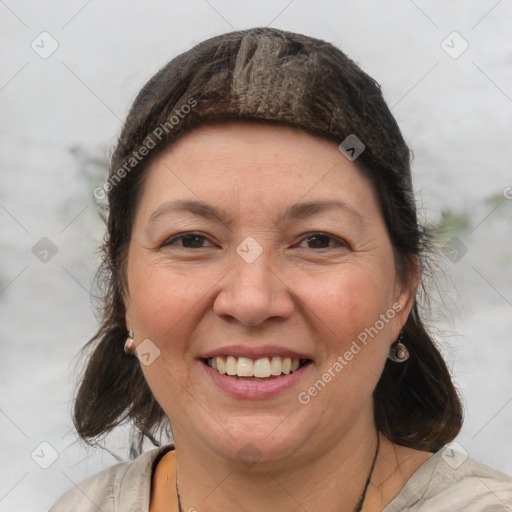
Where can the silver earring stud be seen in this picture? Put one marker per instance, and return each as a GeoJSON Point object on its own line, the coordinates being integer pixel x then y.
{"type": "Point", "coordinates": [398, 352]}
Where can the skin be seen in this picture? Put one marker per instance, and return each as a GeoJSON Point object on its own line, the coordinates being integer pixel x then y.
{"type": "Point", "coordinates": [314, 299]}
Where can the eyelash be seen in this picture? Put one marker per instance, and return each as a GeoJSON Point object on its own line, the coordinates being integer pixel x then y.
{"type": "Point", "coordinates": [182, 236]}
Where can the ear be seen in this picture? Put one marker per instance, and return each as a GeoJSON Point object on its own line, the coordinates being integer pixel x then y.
{"type": "Point", "coordinates": [128, 320]}
{"type": "Point", "coordinates": [405, 298]}
{"type": "Point", "coordinates": [128, 311]}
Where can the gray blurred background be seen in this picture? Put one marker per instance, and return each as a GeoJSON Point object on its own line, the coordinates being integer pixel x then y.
{"type": "Point", "coordinates": [68, 73]}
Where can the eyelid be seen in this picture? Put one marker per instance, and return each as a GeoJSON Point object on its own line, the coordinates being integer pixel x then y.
{"type": "Point", "coordinates": [182, 235]}
{"type": "Point", "coordinates": [338, 240]}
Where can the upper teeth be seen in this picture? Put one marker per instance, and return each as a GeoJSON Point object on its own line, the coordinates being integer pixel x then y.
{"type": "Point", "coordinates": [245, 367]}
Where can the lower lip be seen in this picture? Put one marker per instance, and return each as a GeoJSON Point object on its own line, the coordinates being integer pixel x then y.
{"type": "Point", "coordinates": [251, 389]}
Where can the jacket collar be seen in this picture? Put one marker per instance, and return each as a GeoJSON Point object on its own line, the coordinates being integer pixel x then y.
{"type": "Point", "coordinates": [133, 488]}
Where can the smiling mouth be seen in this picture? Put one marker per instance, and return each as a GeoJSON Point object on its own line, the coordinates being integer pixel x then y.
{"type": "Point", "coordinates": [244, 368]}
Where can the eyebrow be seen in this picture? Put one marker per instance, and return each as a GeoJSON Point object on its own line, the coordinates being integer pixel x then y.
{"type": "Point", "coordinates": [295, 211]}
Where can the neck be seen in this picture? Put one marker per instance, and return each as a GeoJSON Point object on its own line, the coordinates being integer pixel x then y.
{"type": "Point", "coordinates": [330, 481]}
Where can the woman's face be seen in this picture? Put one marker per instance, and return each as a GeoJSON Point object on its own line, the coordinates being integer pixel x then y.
{"type": "Point", "coordinates": [256, 248]}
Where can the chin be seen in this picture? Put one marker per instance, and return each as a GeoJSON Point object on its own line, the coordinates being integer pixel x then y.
{"type": "Point", "coordinates": [258, 442]}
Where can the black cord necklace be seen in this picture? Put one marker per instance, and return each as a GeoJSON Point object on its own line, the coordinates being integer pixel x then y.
{"type": "Point", "coordinates": [360, 503]}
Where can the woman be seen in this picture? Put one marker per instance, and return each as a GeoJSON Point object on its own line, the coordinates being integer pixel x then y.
{"type": "Point", "coordinates": [262, 262]}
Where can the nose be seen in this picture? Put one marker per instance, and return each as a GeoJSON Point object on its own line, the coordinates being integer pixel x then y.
{"type": "Point", "coordinates": [253, 292]}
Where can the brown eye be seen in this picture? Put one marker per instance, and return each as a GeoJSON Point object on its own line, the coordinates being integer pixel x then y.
{"type": "Point", "coordinates": [188, 241]}
{"type": "Point", "coordinates": [318, 241]}
{"type": "Point", "coordinates": [322, 241]}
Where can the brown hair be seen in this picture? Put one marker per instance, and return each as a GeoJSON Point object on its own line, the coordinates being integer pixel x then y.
{"type": "Point", "coordinates": [265, 75]}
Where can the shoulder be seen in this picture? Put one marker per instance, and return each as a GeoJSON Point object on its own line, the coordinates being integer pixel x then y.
{"type": "Point", "coordinates": [125, 486]}
{"type": "Point", "coordinates": [451, 481]}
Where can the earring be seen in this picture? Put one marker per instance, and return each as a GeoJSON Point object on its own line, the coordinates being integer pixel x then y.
{"type": "Point", "coordinates": [129, 344]}
{"type": "Point", "coordinates": [398, 352]}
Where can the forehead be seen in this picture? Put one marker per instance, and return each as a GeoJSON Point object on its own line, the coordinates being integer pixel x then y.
{"type": "Point", "coordinates": [257, 166]}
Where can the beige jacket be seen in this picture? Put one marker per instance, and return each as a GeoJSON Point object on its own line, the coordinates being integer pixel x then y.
{"type": "Point", "coordinates": [447, 482]}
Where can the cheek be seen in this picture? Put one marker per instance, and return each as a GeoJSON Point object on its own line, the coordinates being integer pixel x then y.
{"type": "Point", "coordinates": [163, 302]}
{"type": "Point", "coordinates": [352, 352]}
{"type": "Point", "coordinates": [348, 301]}
{"type": "Point", "coordinates": [165, 305]}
